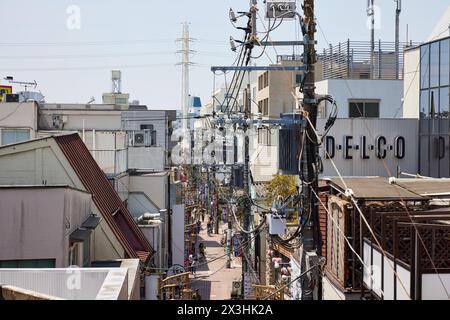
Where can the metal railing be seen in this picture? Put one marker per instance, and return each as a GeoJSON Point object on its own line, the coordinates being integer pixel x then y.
{"type": "Point", "coordinates": [355, 60]}
{"type": "Point", "coordinates": [112, 162]}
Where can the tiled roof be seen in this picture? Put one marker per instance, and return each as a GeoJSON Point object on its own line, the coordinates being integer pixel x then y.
{"type": "Point", "coordinates": [105, 197]}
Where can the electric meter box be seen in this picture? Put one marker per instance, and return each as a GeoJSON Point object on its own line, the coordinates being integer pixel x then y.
{"type": "Point", "coordinates": [277, 224]}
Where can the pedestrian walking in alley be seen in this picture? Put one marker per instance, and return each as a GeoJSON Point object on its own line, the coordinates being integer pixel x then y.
{"type": "Point", "coordinates": [199, 226]}
{"type": "Point", "coordinates": [194, 265]}
{"type": "Point", "coordinates": [209, 228]}
{"type": "Point", "coordinates": [203, 215]}
{"type": "Point", "coordinates": [202, 251]}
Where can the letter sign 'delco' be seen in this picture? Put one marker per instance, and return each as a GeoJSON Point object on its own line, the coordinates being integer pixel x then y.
{"type": "Point", "coordinates": [364, 152]}
{"type": "Point", "coordinates": [347, 147]}
{"type": "Point", "coordinates": [400, 147]}
{"type": "Point", "coordinates": [330, 147]}
{"type": "Point", "coordinates": [381, 148]}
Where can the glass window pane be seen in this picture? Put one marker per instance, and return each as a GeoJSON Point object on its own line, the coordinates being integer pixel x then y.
{"type": "Point", "coordinates": [10, 136]}
{"type": "Point", "coordinates": [355, 110]}
{"type": "Point", "coordinates": [445, 62]}
{"type": "Point", "coordinates": [424, 103]}
{"type": "Point", "coordinates": [372, 110]}
{"type": "Point", "coordinates": [434, 103]}
{"type": "Point", "coordinates": [434, 65]}
{"type": "Point", "coordinates": [425, 66]}
{"type": "Point", "coordinates": [444, 103]}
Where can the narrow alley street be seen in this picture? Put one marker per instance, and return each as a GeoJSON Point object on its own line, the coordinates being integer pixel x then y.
{"type": "Point", "coordinates": [213, 279]}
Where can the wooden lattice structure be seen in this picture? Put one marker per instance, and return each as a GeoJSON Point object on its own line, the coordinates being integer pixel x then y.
{"type": "Point", "coordinates": [174, 287]}
{"type": "Point", "coordinates": [268, 292]}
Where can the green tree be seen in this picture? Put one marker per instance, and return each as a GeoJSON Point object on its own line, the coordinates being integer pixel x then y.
{"type": "Point", "coordinates": [281, 185]}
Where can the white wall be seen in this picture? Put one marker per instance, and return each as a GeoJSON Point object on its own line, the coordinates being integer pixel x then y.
{"type": "Point", "coordinates": [389, 92]}
{"type": "Point", "coordinates": [178, 235]}
{"type": "Point", "coordinates": [411, 104]}
{"type": "Point", "coordinates": [153, 185]}
{"type": "Point", "coordinates": [372, 129]}
{"type": "Point", "coordinates": [41, 162]}
{"type": "Point", "coordinates": [35, 223]}
{"type": "Point", "coordinates": [76, 120]}
{"type": "Point", "coordinates": [435, 286]}
{"type": "Point", "coordinates": [19, 115]}
{"type": "Point", "coordinates": [153, 158]}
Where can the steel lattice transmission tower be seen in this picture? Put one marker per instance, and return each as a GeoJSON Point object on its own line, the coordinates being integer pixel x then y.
{"type": "Point", "coordinates": [186, 53]}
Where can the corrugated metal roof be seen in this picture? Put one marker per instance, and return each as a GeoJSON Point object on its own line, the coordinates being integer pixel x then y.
{"type": "Point", "coordinates": [105, 197]}
{"type": "Point", "coordinates": [375, 189]}
{"type": "Point", "coordinates": [426, 187]}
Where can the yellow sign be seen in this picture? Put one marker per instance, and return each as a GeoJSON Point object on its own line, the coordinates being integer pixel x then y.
{"type": "Point", "coordinates": [5, 90]}
{"type": "Point", "coordinates": [292, 218]}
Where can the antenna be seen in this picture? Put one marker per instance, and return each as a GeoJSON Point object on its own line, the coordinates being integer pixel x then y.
{"type": "Point", "coordinates": [398, 11]}
{"type": "Point", "coordinates": [371, 14]}
{"type": "Point", "coordinates": [24, 84]}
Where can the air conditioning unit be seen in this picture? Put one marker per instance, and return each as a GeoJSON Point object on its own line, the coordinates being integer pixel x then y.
{"type": "Point", "coordinates": [58, 122]}
{"type": "Point", "coordinates": [139, 139]}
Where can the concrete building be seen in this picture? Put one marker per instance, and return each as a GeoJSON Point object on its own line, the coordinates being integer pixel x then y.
{"type": "Point", "coordinates": [427, 67]}
{"type": "Point", "coordinates": [65, 160]}
{"type": "Point", "coordinates": [18, 122]}
{"type": "Point", "coordinates": [46, 227]}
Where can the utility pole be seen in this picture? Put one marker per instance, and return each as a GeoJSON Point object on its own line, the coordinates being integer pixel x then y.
{"type": "Point", "coordinates": [311, 236]}
{"type": "Point", "coordinates": [398, 11]}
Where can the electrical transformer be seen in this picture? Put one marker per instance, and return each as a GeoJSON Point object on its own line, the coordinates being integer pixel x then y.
{"type": "Point", "coordinates": [289, 146]}
{"type": "Point", "coordinates": [237, 180]}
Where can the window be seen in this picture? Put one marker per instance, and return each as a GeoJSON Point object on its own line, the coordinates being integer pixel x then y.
{"type": "Point", "coordinates": [263, 107]}
{"type": "Point", "coordinates": [434, 103]}
{"type": "Point", "coordinates": [424, 104]}
{"type": "Point", "coordinates": [10, 136]}
{"type": "Point", "coordinates": [435, 80]}
{"type": "Point", "coordinates": [444, 104]}
{"type": "Point", "coordinates": [28, 264]}
{"type": "Point", "coordinates": [364, 109]}
{"type": "Point", "coordinates": [425, 67]}
{"type": "Point", "coordinates": [445, 63]}
{"type": "Point", "coordinates": [149, 128]}
{"type": "Point", "coordinates": [263, 81]}
{"type": "Point", "coordinates": [434, 65]}
{"type": "Point", "coordinates": [264, 137]}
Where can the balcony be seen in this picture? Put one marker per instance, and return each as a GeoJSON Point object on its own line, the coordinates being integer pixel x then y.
{"type": "Point", "coordinates": [355, 60]}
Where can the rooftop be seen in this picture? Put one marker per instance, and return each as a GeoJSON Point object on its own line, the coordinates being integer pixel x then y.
{"type": "Point", "coordinates": [374, 188]}
{"type": "Point", "coordinates": [107, 283]}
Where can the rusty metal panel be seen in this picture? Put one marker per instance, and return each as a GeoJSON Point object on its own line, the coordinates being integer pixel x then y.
{"type": "Point", "coordinates": [105, 197]}
{"type": "Point", "coordinates": [375, 188]}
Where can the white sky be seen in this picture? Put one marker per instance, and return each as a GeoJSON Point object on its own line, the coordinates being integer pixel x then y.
{"type": "Point", "coordinates": [138, 37]}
